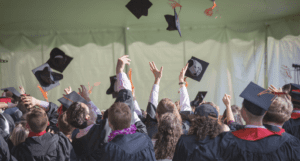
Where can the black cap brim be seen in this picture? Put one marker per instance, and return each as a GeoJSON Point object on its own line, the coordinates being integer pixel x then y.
{"type": "Point", "coordinates": [46, 87]}
{"type": "Point", "coordinates": [74, 97]}
{"type": "Point", "coordinates": [51, 63]}
{"type": "Point", "coordinates": [201, 67]}
{"type": "Point", "coordinates": [12, 90]}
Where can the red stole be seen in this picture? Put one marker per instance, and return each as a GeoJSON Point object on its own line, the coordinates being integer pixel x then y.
{"type": "Point", "coordinates": [254, 134]}
{"type": "Point", "coordinates": [31, 134]}
{"type": "Point", "coordinates": [295, 115]}
{"type": "Point", "coordinates": [5, 100]}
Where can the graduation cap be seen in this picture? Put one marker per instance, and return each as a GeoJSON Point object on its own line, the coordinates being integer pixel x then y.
{"type": "Point", "coordinates": [69, 99]}
{"type": "Point", "coordinates": [254, 102]}
{"type": "Point", "coordinates": [12, 90]}
{"type": "Point", "coordinates": [206, 110]}
{"type": "Point", "coordinates": [173, 22]}
{"type": "Point", "coordinates": [46, 77]}
{"type": "Point", "coordinates": [295, 93]}
{"type": "Point", "coordinates": [113, 87]}
{"type": "Point", "coordinates": [139, 7]}
{"type": "Point", "coordinates": [199, 98]}
{"type": "Point", "coordinates": [196, 69]}
{"type": "Point", "coordinates": [59, 60]}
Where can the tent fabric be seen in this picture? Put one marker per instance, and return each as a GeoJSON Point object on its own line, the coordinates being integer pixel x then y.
{"type": "Point", "coordinates": [236, 56]}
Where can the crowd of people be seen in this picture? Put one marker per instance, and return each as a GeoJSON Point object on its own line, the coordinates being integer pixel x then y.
{"type": "Point", "coordinates": [266, 127]}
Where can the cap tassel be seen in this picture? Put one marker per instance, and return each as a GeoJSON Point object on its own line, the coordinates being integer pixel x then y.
{"type": "Point", "coordinates": [91, 88]}
{"type": "Point", "coordinates": [130, 78]}
{"type": "Point", "coordinates": [274, 93]}
{"type": "Point", "coordinates": [209, 11]}
{"type": "Point", "coordinates": [45, 93]}
{"type": "Point", "coordinates": [174, 4]}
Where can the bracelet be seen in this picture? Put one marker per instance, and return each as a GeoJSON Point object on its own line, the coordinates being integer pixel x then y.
{"type": "Point", "coordinates": [180, 83]}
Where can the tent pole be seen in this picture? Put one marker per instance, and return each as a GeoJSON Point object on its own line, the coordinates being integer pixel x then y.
{"type": "Point", "coordinates": [266, 56]}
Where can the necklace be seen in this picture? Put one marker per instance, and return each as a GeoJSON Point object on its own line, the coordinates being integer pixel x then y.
{"type": "Point", "coordinates": [130, 130]}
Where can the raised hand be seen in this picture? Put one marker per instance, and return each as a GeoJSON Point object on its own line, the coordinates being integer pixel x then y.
{"type": "Point", "coordinates": [30, 101]}
{"type": "Point", "coordinates": [22, 90]}
{"type": "Point", "coordinates": [182, 73]}
{"type": "Point", "coordinates": [157, 73]}
{"type": "Point", "coordinates": [122, 61]}
{"type": "Point", "coordinates": [274, 89]}
{"type": "Point", "coordinates": [68, 90]}
{"type": "Point", "coordinates": [226, 100]}
{"type": "Point", "coordinates": [84, 93]}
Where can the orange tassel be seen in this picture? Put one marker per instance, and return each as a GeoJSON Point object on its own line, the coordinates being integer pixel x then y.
{"type": "Point", "coordinates": [174, 4]}
{"type": "Point", "coordinates": [130, 78]}
{"type": "Point", "coordinates": [209, 11]}
{"type": "Point", "coordinates": [45, 93]}
{"type": "Point", "coordinates": [91, 88]}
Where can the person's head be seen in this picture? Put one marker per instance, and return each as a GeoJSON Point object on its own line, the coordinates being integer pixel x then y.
{"type": "Point", "coordinates": [169, 131]}
{"type": "Point", "coordinates": [19, 134]}
{"type": "Point", "coordinates": [205, 122]}
{"type": "Point", "coordinates": [63, 125]}
{"type": "Point", "coordinates": [279, 112]}
{"type": "Point", "coordinates": [78, 115]}
{"type": "Point", "coordinates": [37, 120]}
{"type": "Point", "coordinates": [166, 106]}
{"type": "Point", "coordinates": [236, 111]}
{"type": "Point", "coordinates": [286, 88]}
{"type": "Point", "coordinates": [250, 117]}
{"type": "Point", "coordinates": [14, 98]}
{"type": "Point", "coordinates": [119, 116]}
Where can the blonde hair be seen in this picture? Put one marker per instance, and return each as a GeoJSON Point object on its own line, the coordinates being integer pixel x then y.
{"type": "Point", "coordinates": [19, 135]}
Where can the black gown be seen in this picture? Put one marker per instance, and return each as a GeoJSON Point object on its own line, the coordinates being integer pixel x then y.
{"type": "Point", "coordinates": [131, 147]}
{"type": "Point", "coordinates": [88, 147]}
{"type": "Point", "coordinates": [4, 151]}
{"type": "Point", "coordinates": [292, 126]}
{"type": "Point", "coordinates": [46, 147]}
{"type": "Point", "coordinates": [53, 117]}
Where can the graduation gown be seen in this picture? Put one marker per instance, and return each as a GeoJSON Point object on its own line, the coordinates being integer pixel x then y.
{"type": "Point", "coordinates": [131, 147]}
{"type": "Point", "coordinates": [46, 147]}
{"type": "Point", "coordinates": [188, 148]}
{"type": "Point", "coordinates": [292, 126]}
{"type": "Point", "coordinates": [275, 147]}
{"type": "Point", "coordinates": [53, 117]}
{"type": "Point", "coordinates": [4, 151]}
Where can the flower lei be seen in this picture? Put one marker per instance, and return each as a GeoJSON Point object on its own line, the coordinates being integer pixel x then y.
{"type": "Point", "coordinates": [131, 130]}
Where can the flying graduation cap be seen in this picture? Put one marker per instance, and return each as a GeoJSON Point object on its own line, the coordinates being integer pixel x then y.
{"type": "Point", "coordinates": [139, 7]}
{"type": "Point", "coordinates": [196, 68]}
{"type": "Point", "coordinates": [46, 77]}
{"type": "Point", "coordinates": [59, 60]}
{"type": "Point", "coordinates": [173, 22]}
{"type": "Point", "coordinates": [113, 87]}
{"type": "Point", "coordinates": [199, 98]}
{"type": "Point", "coordinates": [69, 99]}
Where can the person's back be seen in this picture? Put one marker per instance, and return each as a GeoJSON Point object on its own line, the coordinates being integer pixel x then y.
{"type": "Point", "coordinates": [41, 145]}
{"type": "Point", "coordinates": [124, 142]}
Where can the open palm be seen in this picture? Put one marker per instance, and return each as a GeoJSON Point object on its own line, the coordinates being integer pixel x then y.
{"type": "Point", "coordinates": [157, 73]}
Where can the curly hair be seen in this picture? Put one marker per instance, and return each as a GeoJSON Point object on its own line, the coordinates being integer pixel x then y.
{"type": "Point", "coordinates": [202, 126]}
{"type": "Point", "coordinates": [76, 115]}
{"type": "Point", "coordinates": [169, 131]}
{"type": "Point", "coordinates": [279, 111]}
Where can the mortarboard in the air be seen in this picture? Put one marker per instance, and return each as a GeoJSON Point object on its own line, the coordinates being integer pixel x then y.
{"type": "Point", "coordinates": [12, 90]}
{"type": "Point", "coordinates": [112, 89]}
{"type": "Point", "coordinates": [59, 60]}
{"type": "Point", "coordinates": [255, 103]}
{"type": "Point", "coordinates": [46, 77]}
{"type": "Point", "coordinates": [295, 93]}
{"type": "Point", "coordinates": [139, 7]}
{"type": "Point", "coordinates": [206, 110]}
{"type": "Point", "coordinates": [198, 99]}
{"type": "Point", "coordinates": [173, 22]}
{"type": "Point", "coordinates": [196, 69]}
{"type": "Point", "coordinates": [69, 99]}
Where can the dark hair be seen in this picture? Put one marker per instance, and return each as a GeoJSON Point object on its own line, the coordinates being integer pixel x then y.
{"type": "Point", "coordinates": [19, 134]}
{"type": "Point", "coordinates": [202, 126]}
{"type": "Point", "coordinates": [169, 131]}
{"type": "Point", "coordinates": [287, 88]}
{"type": "Point", "coordinates": [279, 111]}
{"type": "Point", "coordinates": [63, 125]}
{"type": "Point", "coordinates": [37, 120]}
{"type": "Point", "coordinates": [76, 115]}
{"type": "Point", "coordinates": [119, 116]}
{"type": "Point", "coordinates": [236, 111]}
{"type": "Point", "coordinates": [164, 106]}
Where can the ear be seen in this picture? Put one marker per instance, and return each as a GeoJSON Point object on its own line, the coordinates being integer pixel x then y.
{"type": "Point", "coordinates": [87, 117]}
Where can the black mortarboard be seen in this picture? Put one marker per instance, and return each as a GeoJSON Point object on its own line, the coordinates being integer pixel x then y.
{"type": "Point", "coordinates": [295, 93]}
{"type": "Point", "coordinates": [173, 22]}
{"type": "Point", "coordinates": [59, 60]}
{"type": "Point", "coordinates": [46, 77]}
{"type": "Point", "coordinates": [13, 90]}
{"type": "Point", "coordinates": [254, 103]}
{"type": "Point", "coordinates": [199, 98]}
{"type": "Point", "coordinates": [112, 89]}
{"type": "Point", "coordinates": [139, 7]}
{"type": "Point", "coordinates": [69, 99]}
{"type": "Point", "coordinates": [196, 69]}
{"type": "Point", "coordinates": [206, 110]}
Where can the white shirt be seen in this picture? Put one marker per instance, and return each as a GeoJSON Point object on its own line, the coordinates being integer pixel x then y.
{"type": "Point", "coordinates": [184, 100]}
{"type": "Point", "coordinates": [123, 82]}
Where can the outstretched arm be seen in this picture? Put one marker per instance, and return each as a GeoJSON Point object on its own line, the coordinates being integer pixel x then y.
{"type": "Point", "coordinates": [185, 104]}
